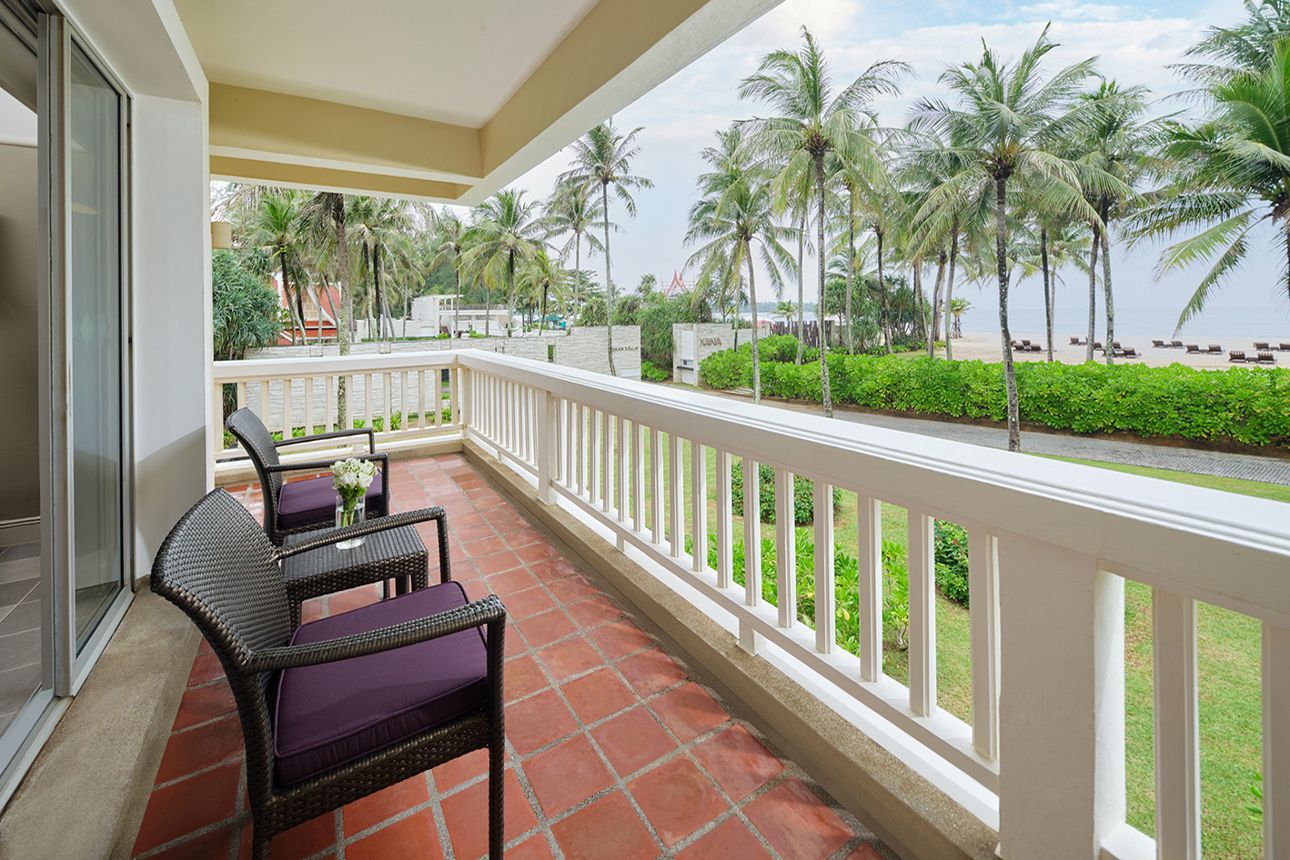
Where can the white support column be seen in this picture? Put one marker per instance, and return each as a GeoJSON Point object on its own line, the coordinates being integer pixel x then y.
{"type": "Point", "coordinates": [869, 535]}
{"type": "Point", "coordinates": [725, 540]}
{"type": "Point", "coordinates": [570, 440]}
{"type": "Point", "coordinates": [825, 588]}
{"type": "Point", "coordinates": [785, 549]}
{"type": "Point", "coordinates": [1276, 742]}
{"type": "Point", "coordinates": [983, 591]}
{"type": "Point", "coordinates": [922, 614]}
{"type": "Point", "coordinates": [548, 450]}
{"type": "Point", "coordinates": [580, 448]}
{"type": "Point", "coordinates": [698, 507]}
{"type": "Point", "coordinates": [749, 639]}
{"type": "Point", "coordinates": [1061, 722]}
{"type": "Point", "coordinates": [1173, 639]}
{"type": "Point", "coordinates": [622, 486]}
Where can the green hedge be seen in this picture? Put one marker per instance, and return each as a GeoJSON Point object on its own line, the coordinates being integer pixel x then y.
{"type": "Point", "coordinates": [1247, 405]}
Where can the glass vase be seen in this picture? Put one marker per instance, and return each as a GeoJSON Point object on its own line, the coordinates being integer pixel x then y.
{"type": "Point", "coordinates": [348, 515]}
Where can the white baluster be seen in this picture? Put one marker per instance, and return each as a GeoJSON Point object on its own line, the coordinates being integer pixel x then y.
{"type": "Point", "coordinates": [826, 620]}
{"type": "Point", "coordinates": [606, 461]}
{"type": "Point", "coordinates": [725, 540]}
{"type": "Point", "coordinates": [548, 450]}
{"type": "Point", "coordinates": [698, 507]}
{"type": "Point", "coordinates": [580, 462]}
{"type": "Point", "coordinates": [309, 405]}
{"type": "Point", "coordinates": [749, 639]}
{"type": "Point", "coordinates": [1276, 742]}
{"type": "Point", "coordinates": [785, 548]}
{"type": "Point", "coordinates": [638, 477]}
{"type": "Point", "coordinates": [983, 591]}
{"type": "Point", "coordinates": [922, 614]}
{"type": "Point", "coordinates": [621, 473]}
{"type": "Point", "coordinates": [330, 395]}
{"type": "Point", "coordinates": [869, 534]}
{"type": "Point", "coordinates": [676, 496]}
{"type": "Point", "coordinates": [1177, 747]}
{"type": "Point", "coordinates": [656, 484]}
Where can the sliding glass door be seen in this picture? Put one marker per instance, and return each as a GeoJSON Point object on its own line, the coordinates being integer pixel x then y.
{"type": "Point", "coordinates": [67, 589]}
{"type": "Point", "coordinates": [94, 341]}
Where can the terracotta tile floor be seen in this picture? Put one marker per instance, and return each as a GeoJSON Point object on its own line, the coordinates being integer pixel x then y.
{"type": "Point", "coordinates": [614, 752]}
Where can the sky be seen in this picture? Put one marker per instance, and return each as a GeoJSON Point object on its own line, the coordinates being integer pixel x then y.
{"type": "Point", "coordinates": [1134, 41]}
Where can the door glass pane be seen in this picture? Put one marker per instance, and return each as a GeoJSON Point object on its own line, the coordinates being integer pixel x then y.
{"type": "Point", "coordinates": [21, 592]}
{"type": "Point", "coordinates": [95, 340]}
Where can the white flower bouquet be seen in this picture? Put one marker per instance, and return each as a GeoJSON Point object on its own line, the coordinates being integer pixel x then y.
{"type": "Point", "coordinates": [351, 477]}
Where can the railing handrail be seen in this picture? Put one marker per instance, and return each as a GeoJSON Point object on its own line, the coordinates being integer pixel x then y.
{"type": "Point", "coordinates": [1218, 547]}
{"type": "Point", "coordinates": [279, 367]}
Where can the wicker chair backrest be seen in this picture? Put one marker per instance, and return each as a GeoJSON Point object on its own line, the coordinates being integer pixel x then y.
{"type": "Point", "coordinates": [249, 430]}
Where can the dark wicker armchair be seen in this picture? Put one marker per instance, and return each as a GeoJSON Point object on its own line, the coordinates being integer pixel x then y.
{"type": "Point", "coordinates": [344, 706]}
{"type": "Point", "coordinates": [310, 503]}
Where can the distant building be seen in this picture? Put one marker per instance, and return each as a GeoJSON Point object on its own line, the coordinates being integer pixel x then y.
{"type": "Point", "coordinates": [321, 311]}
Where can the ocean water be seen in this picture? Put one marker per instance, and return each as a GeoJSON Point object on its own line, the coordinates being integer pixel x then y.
{"type": "Point", "coordinates": [1215, 324]}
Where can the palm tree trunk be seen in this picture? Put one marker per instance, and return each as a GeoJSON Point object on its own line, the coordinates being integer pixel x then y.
{"type": "Point", "coordinates": [1092, 292]}
{"type": "Point", "coordinates": [825, 394]}
{"type": "Point", "coordinates": [752, 299]}
{"type": "Point", "coordinates": [542, 322]}
{"type": "Point", "coordinates": [380, 296]}
{"type": "Point", "coordinates": [577, 269]}
{"type": "Point", "coordinates": [851, 267]}
{"type": "Point", "coordinates": [882, 290]}
{"type": "Point", "coordinates": [286, 294]}
{"type": "Point", "coordinates": [801, 290]}
{"type": "Point", "coordinates": [346, 309]}
{"type": "Point", "coordinates": [949, 291]}
{"type": "Point", "coordinates": [1001, 256]}
{"type": "Point", "coordinates": [609, 284]}
{"type": "Point", "coordinates": [1109, 352]}
{"type": "Point", "coordinates": [510, 291]}
{"type": "Point", "coordinates": [488, 309]}
{"type": "Point", "coordinates": [934, 329]}
{"type": "Point", "coordinates": [1048, 304]}
{"type": "Point", "coordinates": [919, 328]}
{"type": "Point", "coordinates": [456, 299]}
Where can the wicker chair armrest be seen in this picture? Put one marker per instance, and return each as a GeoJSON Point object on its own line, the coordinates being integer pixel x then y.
{"type": "Point", "coordinates": [488, 611]}
{"type": "Point", "coordinates": [324, 465]}
{"type": "Point", "coordinates": [327, 537]}
{"type": "Point", "coordinates": [334, 434]}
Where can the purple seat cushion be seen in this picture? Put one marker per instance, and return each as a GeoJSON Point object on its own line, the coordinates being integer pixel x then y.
{"type": "Point", "coordinates": [312, 501]}
{"type": "Point", "coordinates": [334, 713]}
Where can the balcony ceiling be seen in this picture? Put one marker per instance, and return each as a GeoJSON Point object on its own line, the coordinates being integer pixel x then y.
{"type": "Point", "coordinates": [448, 101]}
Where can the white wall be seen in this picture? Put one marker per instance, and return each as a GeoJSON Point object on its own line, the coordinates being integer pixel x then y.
{"type": "Point", "coordinates": [17, 121]}
{"type": "Point", "coordinates": [171, 316]}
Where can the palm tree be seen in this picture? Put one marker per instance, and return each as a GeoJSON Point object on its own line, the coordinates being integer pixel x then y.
{"type": "Point", "coordinates": [541, 276]}
{"type": "Point", "coordinates": [1226, 176]}
{"type": "Point", "coordinates": [275, 228]}
{"type": "Point", "coordinates": [601, 160]}
{"type": "Point", "coordinates": [813, 130]}
{"type": "Point", "coordinates": [1117, 142]}
{"type": "Point", "coordinates": [734, 213]}
{"type": "Point", "coordinates": [324, 215]}
{"type": "Point", "coordinates": [1250, 46]}
{"type": "Point", "coordinates": [380, 226]}
{"type": "Point", "coordinates": [575, 210]}
{"type": "Point", "coordinates": [447, 244]}
{"type": "Point", "coordinates": [507, 232]}
{"type": "Point", "coordinates": [786, 309]}
{"type": "Point", "coordinates": [957, 308]}
{"type": "Point", "coordinates": [1008, 119]}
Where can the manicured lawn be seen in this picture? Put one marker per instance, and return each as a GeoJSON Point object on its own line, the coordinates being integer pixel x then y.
{"type": "Point", "coordinates": [1229, 670]}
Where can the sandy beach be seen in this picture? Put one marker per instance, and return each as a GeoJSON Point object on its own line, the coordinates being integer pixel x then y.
{"type": "Point", "coordinates": [986, 347]}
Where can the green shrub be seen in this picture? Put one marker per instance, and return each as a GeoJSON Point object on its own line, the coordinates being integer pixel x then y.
{"type": "Point", "coordinates": [1246, 405]}
{"type": "Point", "coordinates": [803, 495]}
{"type": "Point", "coordinates": [952, 562]}
{"type": "Point", "coordinates": [652, 372]}
{"type": "Point", "coordinates": [895, 588]}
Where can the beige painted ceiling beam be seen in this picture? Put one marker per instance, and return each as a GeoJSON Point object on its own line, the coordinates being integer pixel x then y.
{"type": "Point", "coordinates": [347, 181]}
{"type": "Point", "coordinates": [272, 127]}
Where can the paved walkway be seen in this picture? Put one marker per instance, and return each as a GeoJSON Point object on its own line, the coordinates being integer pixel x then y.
{"type": "Point", "coordinates": [1250, 467]}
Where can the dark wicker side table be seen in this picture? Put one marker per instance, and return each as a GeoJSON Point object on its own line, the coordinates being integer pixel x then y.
{"type": "Point", "coordinates": [396, 554]}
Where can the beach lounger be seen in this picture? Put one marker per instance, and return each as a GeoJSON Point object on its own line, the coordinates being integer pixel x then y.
{"type": "Point", "coordinates": [1266, 357]}
{"type": "Point", "coordinates": [1097, 346]}
{"type": "Point", "coordinates": [1285, 347]}
{"type": "Point", "coordinates": [1236, 355]}
{"type": "Point", "coordinates": [1215, 349]}
{"type": "Point", "coordinates": [1130, 352]}
{"type": "Point", "coordinates": [1175, 344]}
{"type": "Point", "coordinates": [1262, 345]}
{"type": "Point", "coordinates": [1159, 344]}
{"type": "Point", "coordinates": [1193, 349]}
{"type": "Point", "coordinates": [1076, 342]}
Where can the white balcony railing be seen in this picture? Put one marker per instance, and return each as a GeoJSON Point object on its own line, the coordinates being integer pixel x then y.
{"type": "Point", "coordinates": [1050, 547]}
